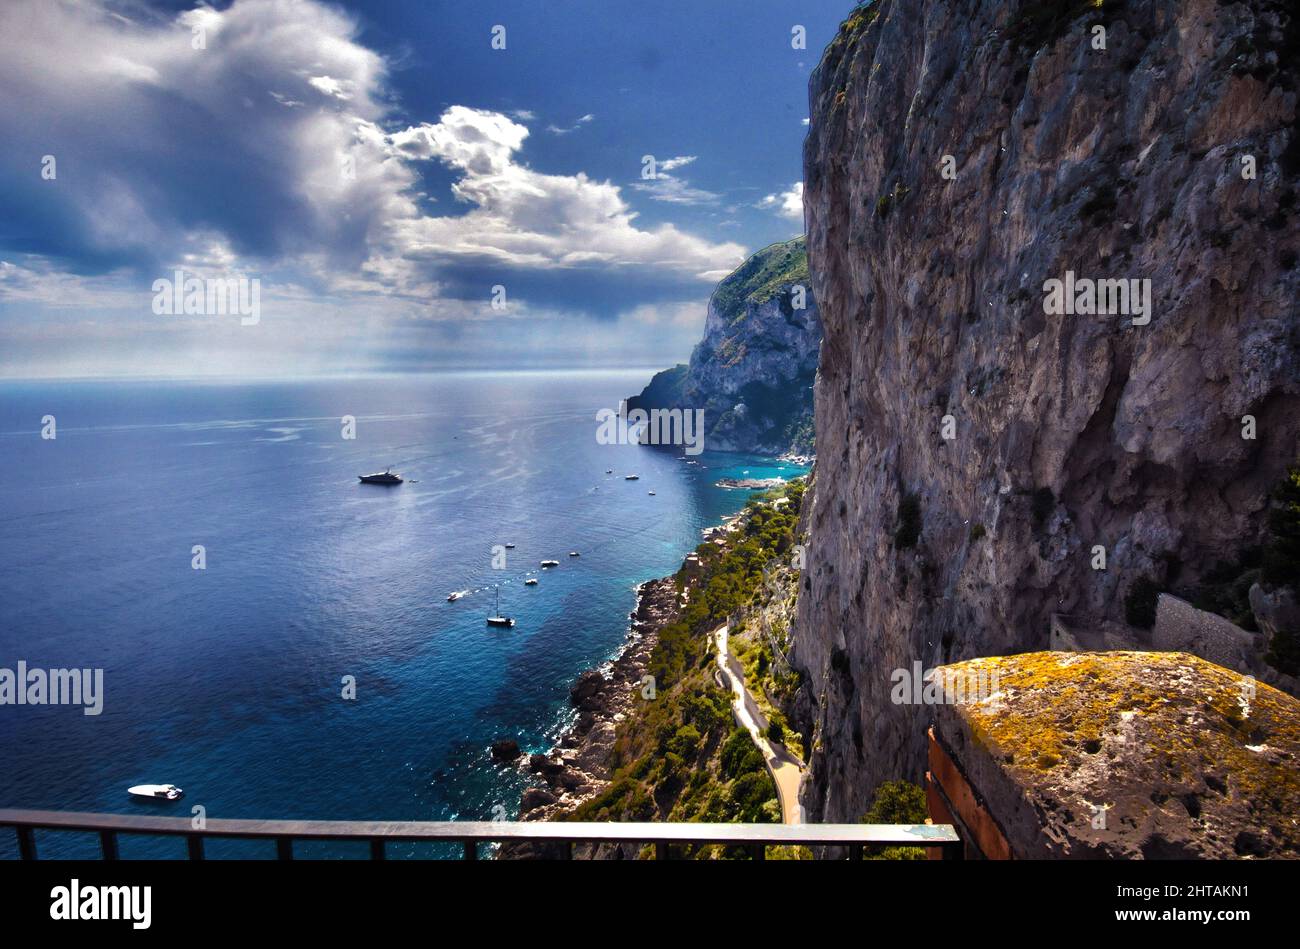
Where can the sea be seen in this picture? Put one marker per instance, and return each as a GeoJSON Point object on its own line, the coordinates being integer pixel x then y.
{"type": "Point", "coordinates": [274, 636]}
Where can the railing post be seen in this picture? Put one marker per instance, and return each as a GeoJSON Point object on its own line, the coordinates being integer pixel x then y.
{"type": "Point", "coordinates": [377, 849]}
{"type": "Point", "coordinates": [284, 848]}
{"type": "Point", "coordinates": [855, 851]}
{"type": "Point", "coordinates": [194, 844]}
{"type": "Point", "coordinates": [471, 850]}
{"type": "Point", "coordinates": [758, 852]}
{"type": "Point", "coordinates": [661, 850]}
{"type": "Point", "coordinates": [108, 844]}
{"type": "Point", "coordinates": [26, 843]}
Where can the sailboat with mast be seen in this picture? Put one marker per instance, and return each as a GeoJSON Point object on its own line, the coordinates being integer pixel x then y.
{"type": "Point", "coordinates": [497, 619]}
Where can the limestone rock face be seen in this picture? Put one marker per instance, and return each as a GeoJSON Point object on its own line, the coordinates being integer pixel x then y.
{"type": "Point", "coordinates": [1128, 754]}
{"type": "Point", "coordinates": [752, 372]}
{"type": "Point", "coordinates": [1069, 431]}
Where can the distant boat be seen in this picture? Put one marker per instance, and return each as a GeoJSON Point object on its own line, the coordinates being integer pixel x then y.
{"type": "Point", "coordinates": [609, 471]}
{"type": "Point", "coordinates": [631, 477]}
{"type": "Point", "coordinates": [381, 477]}
{"type": "Point", "coordinates": [530, 582]}
{"type": "Point", "coordinates": [453, 597]}
{"type": "Point", "coordinates": [651, 493]}
{"type": "Point", "coordinates": [498, 619]}
{"type": "Point", "coordinates": [550, 563]}
{"type": "Point", "coordinates": [156, 792]}
{"type": "Point", "coordinates": [574, 553]}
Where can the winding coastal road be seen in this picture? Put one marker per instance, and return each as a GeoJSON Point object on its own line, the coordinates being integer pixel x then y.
{"type": "Point", "coordinates": [786, 769]}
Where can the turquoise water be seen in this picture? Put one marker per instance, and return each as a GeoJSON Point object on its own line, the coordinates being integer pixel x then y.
{"type": "Point", "coordinates": [227, 681]}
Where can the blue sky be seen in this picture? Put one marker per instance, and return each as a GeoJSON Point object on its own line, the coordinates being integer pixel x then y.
{"type": "Point", "coordinates": [378, 168]}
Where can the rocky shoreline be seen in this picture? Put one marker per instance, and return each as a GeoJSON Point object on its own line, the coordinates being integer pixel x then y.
{"type": "Point", "coordinates": [752, 484]}
{"type": "Point", "coordinates": [577, 767]}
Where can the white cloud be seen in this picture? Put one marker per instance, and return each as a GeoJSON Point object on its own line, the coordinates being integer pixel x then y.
{"type": "Point", "coordinates": [670, 189]}
{"type": "Point", "coordinates": [338, 88]}
{"type": "Point", "coordinates": [787, 203]}
{"type": "Point", "coordinates": [582, 120]}
{"type": "Point", "coordinates": [287, 114]}
{"type": "Point", "coordinates": [688, 315]}
{"type": "Point", "coordinates": [525, 218]}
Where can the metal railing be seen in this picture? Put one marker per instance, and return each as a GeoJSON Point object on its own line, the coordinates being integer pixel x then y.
{"type": "Point", "coordinates": [470, 834]}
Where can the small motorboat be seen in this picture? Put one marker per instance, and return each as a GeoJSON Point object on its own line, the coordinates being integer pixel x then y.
{"type": "Point", "coordinates": [381, 477]}
{"type": "Point", "coordinates": [609, 471]}
{"type": "Point", "coordinates": [530, 582]}
{"type": "Point", "coordinates": [550, 563]}
{"type": "Point", "coordinates": [574, 553]}
{"type": "Point", "coordinates": [510, 546]}
{"type": "Point", "coordinates": [156, 792]}
{"type": "Point", "coordinates": [631, 477]}
{"type": "Point", "coordinates": [453, 597]}
{"type": "Point", "coordinates": [651, 493]}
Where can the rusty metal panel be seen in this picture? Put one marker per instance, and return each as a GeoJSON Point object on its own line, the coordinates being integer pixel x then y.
{"type": "Point", "coordinates": [965, 804]}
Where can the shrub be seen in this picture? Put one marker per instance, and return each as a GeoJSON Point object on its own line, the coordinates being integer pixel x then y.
{"type": "Point", "coordinates": [672, 773]}
{"type": "Point", "coordinates": [897, 802]}
{"type": "Point", "coordinates": [686, 742]}
{"type": "Point", "coordinates": [775, 731]}
{"type": "Point", "coordinates": [708, 710]}
{"type": "Point", "coordinates": [748, 795]}
{"type": "Point", "coordinates": [739, 756]}
{"type": "Point", "coordinates": [977, 532]}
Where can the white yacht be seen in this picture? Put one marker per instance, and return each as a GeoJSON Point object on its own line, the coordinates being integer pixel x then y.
{"type": "Point", "coordinates": [156, 792]}
{"type": "Point", "coordinates": [381, 477]}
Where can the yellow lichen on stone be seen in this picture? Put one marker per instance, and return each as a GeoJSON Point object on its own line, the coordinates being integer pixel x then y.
{"type": "Point", "coordinates": [1164, 725]}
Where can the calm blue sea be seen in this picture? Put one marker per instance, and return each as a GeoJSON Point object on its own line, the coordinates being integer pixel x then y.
{"type": "Point", "coordinates": [227, 681]}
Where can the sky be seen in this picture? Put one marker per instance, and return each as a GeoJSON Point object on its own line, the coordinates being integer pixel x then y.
{"type": "Point", "coordinates": [393, 185]}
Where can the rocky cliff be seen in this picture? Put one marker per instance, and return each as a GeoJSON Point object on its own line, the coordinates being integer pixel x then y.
{"type": "Point", "coordinates": [977, 445]}
{"type": "Point", "coordinates": [753, 371]}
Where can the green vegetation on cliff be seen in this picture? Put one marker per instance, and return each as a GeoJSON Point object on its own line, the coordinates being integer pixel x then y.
{"type": "Point", "coordinates": [666, 389]}
{"type": "Point", "coordinates": [760, 639]}
{"type": "Point", "coordinates": [682, 758]}
{"type": "Point", "coordinates": [897, 802]}
{"type": "Point", "coordinates": [761, 277]}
